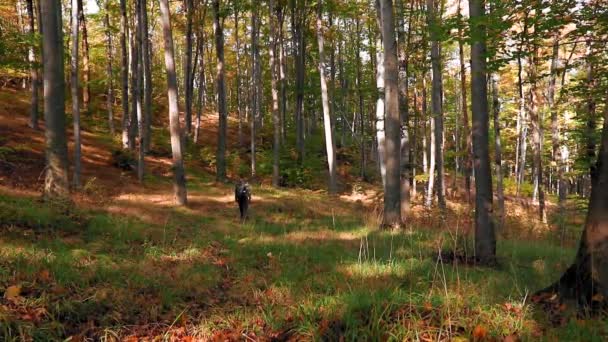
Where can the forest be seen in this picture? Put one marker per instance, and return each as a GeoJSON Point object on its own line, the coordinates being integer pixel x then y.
{"type": "Point", "coordinates": [304, 170]}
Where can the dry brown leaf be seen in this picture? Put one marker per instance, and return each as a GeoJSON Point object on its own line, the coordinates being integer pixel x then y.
{"type": "Point", "coordinates": [44, 275]}
{"type": "Point", "coordinates": [479, 333]}
{"type": "Point", "coordinates": [12, 292]}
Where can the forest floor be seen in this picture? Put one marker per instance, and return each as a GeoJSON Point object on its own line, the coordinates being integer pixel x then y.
{"type": "Point", "coordinates": [121, 262]}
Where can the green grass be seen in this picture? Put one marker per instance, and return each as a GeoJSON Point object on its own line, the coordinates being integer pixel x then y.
{"type": "Point", "coordinates": [317, 278]}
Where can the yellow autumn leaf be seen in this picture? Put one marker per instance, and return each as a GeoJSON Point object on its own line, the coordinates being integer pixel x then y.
{"type": "Point", "coordinates": [12, 292]}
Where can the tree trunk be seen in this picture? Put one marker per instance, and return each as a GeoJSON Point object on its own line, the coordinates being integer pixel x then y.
{"type": "Point", "coordinates": [221, 93]}
{"type": "Point", "coordinates": [591, 106]}
{"type": "Point", "coordinates": [360, 98]}
{"type": "Point", "coordinates": [425, 147]}
{"type": "Point", "coordinates": [282, 71]}
{"type": "Point", "coordinates": [86, 73]}
{"type": "Point", "coordinates": [74, 85]}
{"type": "Point", "coordinates": [31, 56]}
{"type": "Point", "coordinates": [110, 94]}
{"type": "Point", "coordinates": [500, 210]}
{"type": "Point", "coordinates": [274, 74]}
{"type": "Point", "coordinates": [432, 154]}
{"type": "Point", "coordinates": [300, 61]}
{"type": "Point", "coordinates": [56, 178]}
{"type": "Point", "coordinates": [465, 112]}
{"type": "Point", "coordinates": [188, 82]}
{"type": "Point", "coordinates": [380, 110]}
{"type": "Point", "coordinates": [392, 190]}
{"type": "Point", "coordinates": [485, 238]}
{"type": "Point", "coordinates": [139, 76]}
{"type": "Point", "coordinates": [404, 107]}
{"type": "Point", "coordinates": [415, 141]}
{"type": "Point", "coordinates": [522, 130]}
{"type": "Point", "coordinates": [537, 132]}
{"type": "Point", "coordinates": [255, 98]}
{"type": "Point", "coordinates": [437, 103]}
{"type": "Point", "coordinates": [179, 177]}
{"type": "Point", "coordinates": [133, 62]}
{"type": "Point", "coordinates": [124, 74]}
{"type": "Point", "coordinates": [586, 280]}
{"type": "Point", "coordinates": [202, 87]}
{"type": "Point", "coordinates": [237, 77]}
{"type": "Point", "coordinates": [147, 65]}
{"type": "Point", "coordinates": [329, 139]}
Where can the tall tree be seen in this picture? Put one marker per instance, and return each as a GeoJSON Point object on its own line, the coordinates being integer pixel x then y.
{"type": "Point", "coordinates": [109, 70]}
{"type": "Point", "coordinates": [147, 71]}
{"type": "Point", "coordinates": [392, 191]}
{"type": "Point", "coordinates": [218, 26]}
{"type": "Point", "coordinates": [188, 81]}
{"type": "Point", "coordinates": [536, 122]}
{"type": "Point", "coordinates": [403, 47]}
{"type": "Point", "coordinates": [56, 178]}
{"type": "Point", "coordinates": [31, 56]}
{"type": "Point", "coordinates": [139, 76]}
{"type": "Point", "coordinates": [74, 85]}
{"type": "Point", "coordinates": [464, 107]}
{"type": "Point", "coordinates": [134, 58]}
{"type": "Point", "coordinates": [274, 75]}
{"type": "Point", "coordinates": [485, 239]}
{"type": "Point", "coordinates": [237, 77]}
{"type": "Point", "coordinates": [500, 207]}
{"type": "Point", "coordinates": [124, 74]}
{"type": "Point", "coordinates": [437, 101]}
{"type": "Point", "coordinates": [380, 105]}
{"type": "Point", "coordinates": [255, 84]}
{"type": "Point", "coordinates": [179, 177]}
{"type": "Point", "coordinates": [283, 77]}
{"type": "Point", "coordinates": [298, 18]}
{"type": "Point", "coordinates": [329, 139]}
{"type": "Point", "coordinates": [86, 70]}
{"type": "Point", "coordinates": [586, 280]}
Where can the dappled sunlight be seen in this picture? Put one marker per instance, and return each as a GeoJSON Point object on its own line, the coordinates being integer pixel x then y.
{"type": "Point", "coordinates": [302, 236]}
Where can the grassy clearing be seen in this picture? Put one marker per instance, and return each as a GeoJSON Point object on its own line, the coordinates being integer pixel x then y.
{"type": "Point", "coordinates": [122, 261]}
{"type": "Point", "coordinates": [292, 271]}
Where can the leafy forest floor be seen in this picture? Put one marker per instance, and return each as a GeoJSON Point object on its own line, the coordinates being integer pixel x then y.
{"type": "Point", "coordinates": [121, 262]}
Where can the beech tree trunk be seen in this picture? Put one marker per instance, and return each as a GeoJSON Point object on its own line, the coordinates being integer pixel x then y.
{"type": "Point", "coordinates": [31, 56]}
{"type": "Point", "coordinates": [485, 238]}
{"type": "Point", "coordinates": [254, 93]}
{"type": "Point", "coordinates": [299, 36]}
{"type": "Point", "coordinates": [221, 93]}
{"type": "Point", "coordinates": [465, 112]}
{"type": "Point", "coordinates": [403, 47]}
{"type": "Point", "coordinates": [74, 85]}
{"type": "Point", "coordinates": [329, 139]}
{"type": "Point", "coordinates": [124, 74]}
{"type": "Point", "coordinates": [586, 280]}
{"type": "Point", "coordinates": [139, 77]}
{"type": "Point", "coordinates": [537, 132]}
{"type": "Point", "coordinates": [179, 177]}
{"type": "Point", "coordinates": [392, 190]}
{"type": "Point", "coordinates": [147, 70]}
{"type": "Point", "coordinates": [500, 208]}
{"type": "Point", "coordinates": [237, 77]}
{"type": "Point", "coordinates": [274, 74]}
{"type": "Point", "coordinates": [437, 104]}
{"type": "Point", "coordinates": [110, 91]}
{"type": "Point", "coordinates": [86, 73]}
{"type": "Point", "coordinates": [202, 87]}
{"type": "Point", "coordinates": [56, 177]}
{"type": "Point", "coordinates": [380, 110]}
{"type": "Point", "coordinates": [188, 82]}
